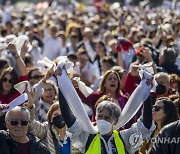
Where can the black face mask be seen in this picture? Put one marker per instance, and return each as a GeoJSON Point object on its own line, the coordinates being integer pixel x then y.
{"type": "Point", "coordinates": [160, 89]}
{"type": "Point", "coordinates": [58, 121]}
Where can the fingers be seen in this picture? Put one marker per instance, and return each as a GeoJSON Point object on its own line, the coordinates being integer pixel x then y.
{"type": "Point", "coordinates": [3, 106]}
{"type": "Point", "coordinates": [75, 83]}
{"type": "Point", "coordinates": [58, 71]}
{"type": "Point", "coordinates": [149, 81]}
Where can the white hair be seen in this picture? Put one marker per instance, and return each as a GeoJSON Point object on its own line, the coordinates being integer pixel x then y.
{"type": "Point", "coordinates": [113, 109]}
{"type": "Point", "coordinates": [162, 74]}
{"type": "Point", "coordinates": [20, 109]}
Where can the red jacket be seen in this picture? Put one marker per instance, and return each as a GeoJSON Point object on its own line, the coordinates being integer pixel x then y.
{"type": "Point", "coordinates": [92, 99]}
{"type": "Point", "coordinates": [6, 99]}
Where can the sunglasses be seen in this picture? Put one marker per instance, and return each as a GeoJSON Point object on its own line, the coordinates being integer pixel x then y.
{"type": "Point", "coordinates": [37, 77]}
{"type": "Point", "coordinates": [157, 108]}
{"type": "Point", "coordinates": [16, 122]}
{"type": "Point", "coordinates": [9, 80]}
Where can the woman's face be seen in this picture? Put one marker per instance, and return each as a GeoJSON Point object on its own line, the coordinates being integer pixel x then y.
{"type": "Point", "coordinates": [55, 113]}
{"type": "Point", "coordinates": [100, 50]}
{"type": "Point", "coordinates": [49, 93]}
{"type": "Point", "coordinates": [111, 82]}
{"type": "Point", "coordinates": [104, 115]}
{"type": "Point", "coordinates": [7, 83]}
{"type": "Point", "coordinates": [158, 112]}
{"type": "Point", "coordinates": [175, 86]}
{"type": "Point", "coordinates": [35, 77]}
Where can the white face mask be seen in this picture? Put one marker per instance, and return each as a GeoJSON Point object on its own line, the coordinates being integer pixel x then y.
{"type": "Point", "coordinates": [104, 127]}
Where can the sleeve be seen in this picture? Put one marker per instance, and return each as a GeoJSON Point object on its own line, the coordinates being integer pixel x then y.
{"type": "Point", "coordinates": [2, 138]}
{"type": "Point", "coordinates": [167, 141]}
{"type": "Point", "coordinates": [23, 78]}
{"type": "Point", "coordinates": [159, 148]}
{"type": "Point", "coordinates": [147, 112]}
{"type": "Point", "coordinates": [67, 114]}
{"type": "Point", "coordinates": [38, 87]}
{"type": "Point", "coordinates": [91, 99]}
{"type": "Point", "coordinates": [79, 137]}
{"type": "Point", "coordinates": [35, 127]}
{"type": "Point", "coordinates": [130, 83]}
{"type": "Point", "coordinates": [134, 136]}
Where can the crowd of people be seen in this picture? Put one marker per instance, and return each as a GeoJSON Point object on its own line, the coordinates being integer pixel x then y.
{"type": "Point", "coordinates": [108, 48]}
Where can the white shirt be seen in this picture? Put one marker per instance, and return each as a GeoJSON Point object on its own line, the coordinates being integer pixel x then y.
{"type": "Point", "coordinates": [52, 48]}
{"type": "Point", "coordinates": [88, 68]}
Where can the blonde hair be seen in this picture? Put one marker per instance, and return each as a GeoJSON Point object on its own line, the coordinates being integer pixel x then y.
{"type": "Point", "coordinates": [53, 108]}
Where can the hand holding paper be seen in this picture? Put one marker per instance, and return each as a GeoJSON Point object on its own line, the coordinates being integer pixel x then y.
{"type": "Point", "coordinates": [18, 101]}
{"type": "Point", "coordinates": [22, 86]}
{"type": "Point", "coordinates": [2, 107]}
{"type": "Point", "coordinates": [137, 98]}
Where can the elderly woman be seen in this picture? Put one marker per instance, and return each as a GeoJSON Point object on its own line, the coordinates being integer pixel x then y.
{"type": "Point", "coordinates": [108, 140]}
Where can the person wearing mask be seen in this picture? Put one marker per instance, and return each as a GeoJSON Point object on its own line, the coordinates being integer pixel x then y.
{"type": "Point", "coordinates": [52, 132]}
{"type": "Point", "coordinates": [108, 140]}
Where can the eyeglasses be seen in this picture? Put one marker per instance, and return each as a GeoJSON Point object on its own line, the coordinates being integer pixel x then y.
{"type": "Point", "coordinates": [157, 108]}
{"type": "Point", "coordinates": [16, 122]}
{"type": "Point", "coordinates": [37, 77]}
{"type": "Point", "coordinates": [9, 80]}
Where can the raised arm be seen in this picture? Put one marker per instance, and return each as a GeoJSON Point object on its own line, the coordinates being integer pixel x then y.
{"type": "Point", "coordinates": [19, 60]}
{"type": "Point", "coordinates": [147, 112]}
{"type": "Point", "coordinates": [35, 127]}
{"type": "Point", "coordinates": [66, 112]}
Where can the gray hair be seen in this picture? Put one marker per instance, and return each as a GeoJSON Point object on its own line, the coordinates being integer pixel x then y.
{"type": "Point", "coordinates": [20, 109]}
{"type": "Point", "coordinates": [162, 74]}
{"type": "Point", "coordinates": [113, 109]}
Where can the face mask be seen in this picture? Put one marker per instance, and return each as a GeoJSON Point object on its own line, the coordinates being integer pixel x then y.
{"type": "Point", "coordinates": [104, 127]}
{"type": "Point", "coordinates": [58, 121]}
{"type": "Point", "coordinates": [160, 89]}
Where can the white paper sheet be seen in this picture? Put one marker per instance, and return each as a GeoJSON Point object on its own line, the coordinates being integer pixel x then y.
{"type": "Point", "coordinates": [18, 101]}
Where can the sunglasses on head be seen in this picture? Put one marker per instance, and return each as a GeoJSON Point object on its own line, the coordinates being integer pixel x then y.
{"type": "Point", "coordinates": [157, 108]}
{"type": "Point", "coordinates": [16, 122]}
{"type": "Point", "coordinates": [37, 76]}
{"type": "Point", "coordinates": [48, 90]}
{"type": "Point", "coordinates": [9, 80]}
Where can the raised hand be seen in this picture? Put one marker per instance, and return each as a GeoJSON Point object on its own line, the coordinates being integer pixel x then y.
{"type": "Point", "coordinates": [146, 54]}
{"type": "Point", "coordinates": [24, 49]}
{"type": "Point", "coordinates": [31, 97]}
{"type": "Point", "coordinates": [75, 83]}
{"type": "Point", "coordinates": [12, 48]}
{"type": "Point", "coordinates": [2, 107]}
{"type": "Point", "coordinates": [58, 71]}
{"type": "Point", "coordinates": [134, 70]}
{"type": "Point", "coordinates": [49, 74]}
